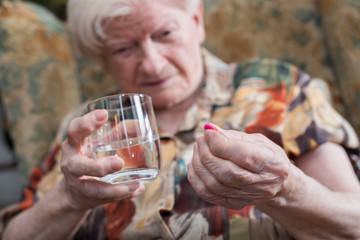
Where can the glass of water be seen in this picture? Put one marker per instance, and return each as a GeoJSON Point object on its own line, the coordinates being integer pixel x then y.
{"type": "Point", "coordinates": [130, 133]}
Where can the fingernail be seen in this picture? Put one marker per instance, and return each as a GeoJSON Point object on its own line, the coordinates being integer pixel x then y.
{"type": "Point", "coordinates": [100, 115]}
{"type": "Point", "coordinates": [139, 190]}
{"type": "Point", "coordinates": [133, 186]}
{"type": "Point", "coordinates": [195, 147]}
{"type": "Point", "coordinates": [116, 163]}
{"type": "Point", "coordinates": [209, 126]}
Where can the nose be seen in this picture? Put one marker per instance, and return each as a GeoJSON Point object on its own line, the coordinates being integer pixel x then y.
{"type": "Point", "coordinates": [152, 60]}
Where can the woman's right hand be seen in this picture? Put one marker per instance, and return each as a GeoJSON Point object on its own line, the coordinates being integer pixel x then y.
{"type": "Point", "coordinates": [82, 187]}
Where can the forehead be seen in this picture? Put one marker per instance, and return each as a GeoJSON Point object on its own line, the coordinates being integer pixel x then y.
{"type": "Point", "coordinates": [144, 18]}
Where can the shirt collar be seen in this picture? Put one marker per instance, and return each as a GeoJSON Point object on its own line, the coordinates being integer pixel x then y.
{"type": "Point", "coordinates": [217, 90]}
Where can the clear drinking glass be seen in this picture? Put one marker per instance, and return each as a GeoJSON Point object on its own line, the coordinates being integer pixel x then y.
{"type": "Point", "coordinates": [130, 133]}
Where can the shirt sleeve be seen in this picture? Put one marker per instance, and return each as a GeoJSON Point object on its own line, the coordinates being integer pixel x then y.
{"type": "Point", "coordinates": [286, 105]}
{"type": "Point", "coordinates": [312, 120]}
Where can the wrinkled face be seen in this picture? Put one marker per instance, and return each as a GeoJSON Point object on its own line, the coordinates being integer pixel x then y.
{"type": "Point", "coordinates": [156, 52]}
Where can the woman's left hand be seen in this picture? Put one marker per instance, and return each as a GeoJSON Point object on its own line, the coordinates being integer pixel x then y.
{"type": "Point", "coordinates": [234, 169]}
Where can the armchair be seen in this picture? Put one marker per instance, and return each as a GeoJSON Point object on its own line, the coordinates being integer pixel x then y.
{"type": "Point", "coordinates": [42, 77]}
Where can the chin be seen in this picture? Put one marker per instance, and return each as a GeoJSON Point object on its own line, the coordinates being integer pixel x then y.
{"type": "Point", "coordinates": [162, 105]}
{"type": "Point", "coordinates": [164, 101]}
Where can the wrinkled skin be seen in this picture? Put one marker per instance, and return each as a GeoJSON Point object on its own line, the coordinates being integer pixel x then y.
{"type": "Point", "coordinates": [235, 169]}
{"type": "Point", "coordinates": [80, 170]}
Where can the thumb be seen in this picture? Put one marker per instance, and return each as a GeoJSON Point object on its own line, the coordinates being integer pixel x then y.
{"type": "Point", "coordinates": [216, 140]}
{"type": "Point", "coordinates": [210, 128]}
{"type": "Point", "coordinates": [81, 127]}
{"type": "Point", "coordinates": [230, 134]}
{"type": "Point", "coordinates": [226, 144]}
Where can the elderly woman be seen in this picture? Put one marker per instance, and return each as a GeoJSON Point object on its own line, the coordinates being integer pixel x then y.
{"type": "Point", "coordinates": [294, 179]}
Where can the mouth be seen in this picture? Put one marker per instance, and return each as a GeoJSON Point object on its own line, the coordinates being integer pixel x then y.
{"type": "Point", "coordinates": [157, 82]}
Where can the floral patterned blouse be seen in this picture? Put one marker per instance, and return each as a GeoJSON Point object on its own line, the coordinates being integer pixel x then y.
{"type": "Point", "coordinates": [259, 96]}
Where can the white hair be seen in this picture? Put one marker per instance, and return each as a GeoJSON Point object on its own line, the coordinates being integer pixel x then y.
{"type": "Point", "coordinates": [86, 17]}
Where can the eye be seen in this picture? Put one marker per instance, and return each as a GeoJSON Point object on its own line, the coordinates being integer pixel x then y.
{"type": "Point", "coordinates": [165, 33]}
{"type": "Point", "coordinates": [121, 50]}
{"type": "Point", "coordinates": [124, 50]}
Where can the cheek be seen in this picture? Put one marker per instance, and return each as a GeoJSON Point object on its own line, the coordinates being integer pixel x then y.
{"type": "Point", "coordinates": [194, 69]}
{"type": "Point", "coordinates": [124, 75]}
{"type": "Point", "coordinates": [125, 83]}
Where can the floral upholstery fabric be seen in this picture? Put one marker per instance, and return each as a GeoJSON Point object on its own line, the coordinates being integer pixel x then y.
{"type": "Point", "coordinates": [37, 79]}
{"type": "Point", "coordinates": [92, 79]}
{"type": "Point", "coordinates": [41, 78]}
{"type": "Point", "coordinates": [341, 25]}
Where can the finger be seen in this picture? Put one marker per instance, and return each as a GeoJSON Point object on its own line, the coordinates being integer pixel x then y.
{"type": "Point", "coordinates": [82, 127]}
{"type": "Point", "coordinates": [213, 184]}
{"type": "Point", "coordinates": [105, 192]}
{"type": "Point", "coordinates": [199, 185]}
{"type": "Point", "coordinates": [221, 145]}
{"type": "Point", "coordinates": [232, 183]}
{"type": "Point", "coordinates": [128, 128]}
{"type": "Point", "coordinates": [138, 191]}
{"type": "Point", "coordinates": [233, 134]}
{"type": "Point", "coordinates": [247, 151]}
{"type": "Point", "coordinates": [80, 165]}
{"type": "Point", "coordinates": [205, 194]}
{"type": "Point", "coordinates": [120, 130]}
{"type": "Point", "coordinates": [225, 171]}
{"type": "Point", "coordinates": [263, 183]}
